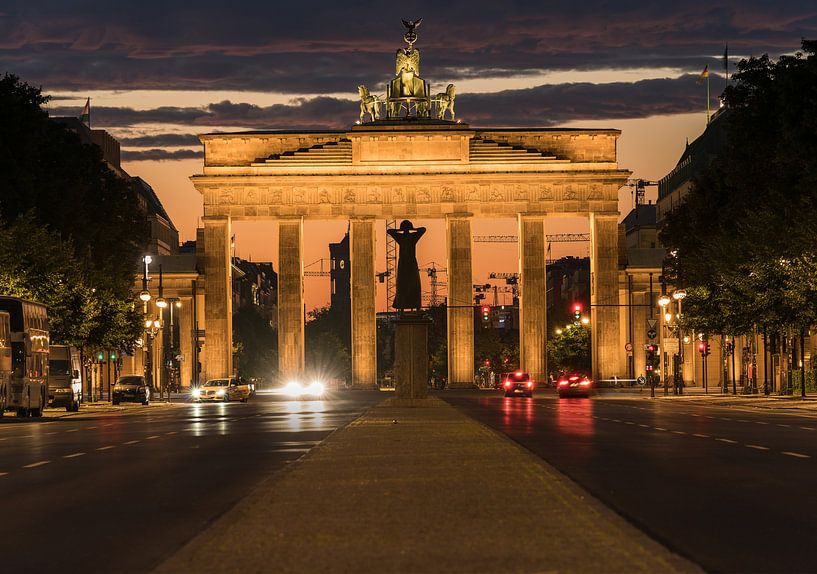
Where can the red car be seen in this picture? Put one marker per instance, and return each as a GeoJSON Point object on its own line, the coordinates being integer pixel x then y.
{"type": "Point", "coordinates": [517, 383]}
{"type": "Point", "coordinates": [574, 385]}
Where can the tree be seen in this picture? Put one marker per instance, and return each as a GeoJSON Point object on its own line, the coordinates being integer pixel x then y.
{"type": "Point", "coordinates": [70, 224]}
{"type": "Point", "coordinates": [257, 344]}
{"type": "Point", "coordinates": [570, 350]}
{"type": "Point", "coordinates": [326, 355]}
{"type": "Point", "coordinates": [744, 242]}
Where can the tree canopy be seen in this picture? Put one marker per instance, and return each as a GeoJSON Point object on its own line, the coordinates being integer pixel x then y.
{"type": "Point", "coordinates": [744, 241]}
{"type": "Point", "coordinates": [71, 230]}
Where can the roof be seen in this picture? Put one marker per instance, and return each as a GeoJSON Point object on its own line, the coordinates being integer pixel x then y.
{"type": "Point", "coordinates": [643, 215]}
{"type": "Point", "coordinates": [154, 205]}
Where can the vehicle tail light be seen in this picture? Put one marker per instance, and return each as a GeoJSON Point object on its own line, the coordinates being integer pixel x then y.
{"type": "Point", "coordinates": [507, 384]}
{"type": "Point", "coordinates": [530, 384]}
{"type": "Point", "coordinates": [574, 378]}
{"type": "Point", "coordinates": [563, 383]}
{"type": "Point", "coordinates": [585, 383]}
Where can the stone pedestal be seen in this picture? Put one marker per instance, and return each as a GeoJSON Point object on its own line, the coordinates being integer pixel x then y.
{"type": "Point", "coordinates": [411, 357]}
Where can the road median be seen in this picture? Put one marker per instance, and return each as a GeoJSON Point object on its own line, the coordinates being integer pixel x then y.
{"type": "Point", "coordinates": [421, 490]}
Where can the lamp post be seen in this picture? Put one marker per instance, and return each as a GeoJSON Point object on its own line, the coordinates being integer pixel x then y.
{"type": "Point", "coordinates": [161, 303]}
{"type": "Point", "coordinates": [663, 301]}
{"type": "Point", "coordinates": [679, 295]}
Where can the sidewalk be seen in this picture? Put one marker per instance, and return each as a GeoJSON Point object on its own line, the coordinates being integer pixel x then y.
{"type": "Point", "coordinates": [420, 490]}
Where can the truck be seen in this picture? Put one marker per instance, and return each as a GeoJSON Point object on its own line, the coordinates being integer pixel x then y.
{"type": "Point", "coordinates": [64, 382]}
{"type": "Point", "coordinates": [26, 392]}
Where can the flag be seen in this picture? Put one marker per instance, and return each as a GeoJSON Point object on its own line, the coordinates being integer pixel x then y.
{"type": "Point", "coordinates": [86, 113]}
{"type": "Point", "coordinates": [704, 75]}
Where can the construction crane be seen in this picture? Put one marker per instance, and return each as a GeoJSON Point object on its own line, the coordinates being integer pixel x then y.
{"type": "Point", "coordinates": [432, 270]}
{"type": "Point", "coordinates": [639, 190]}
{"type": "Point", "coordinates": [390, 275]}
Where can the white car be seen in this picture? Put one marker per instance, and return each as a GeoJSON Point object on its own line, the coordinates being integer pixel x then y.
{"type": "Point", "coordinates": [222, 390]}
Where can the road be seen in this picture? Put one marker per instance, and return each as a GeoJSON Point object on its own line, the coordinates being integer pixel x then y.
{"type": "Point", "coordinates": [120, 492]}
{"type": "Point", "coordinates": [729, 488]}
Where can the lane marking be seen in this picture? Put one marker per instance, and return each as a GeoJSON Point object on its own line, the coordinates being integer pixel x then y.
{"type": "Point", "coordinates": [91, 428]}
{"type": "Point", "coordinates": [152, 437]}
{"type": "Point", "coordinates": [629, 423]}
{"type": "Point", "coordinates": [701, 435]}
{"type": "Point", "coordinates": [730, 441]}
{"type": "Point", "coordinates": [36, 464]}
{"type": "Point", "coordinates": [644, 426]}
{"type": "Point", "coordinates": [659, 428]}
{"type": "Point", "coordinates": [74, 455]}
{"type": "Point", "coordinates": [742, 421]}
{"type": "Point", "coordinates": [131, 442]}
{"type": "Point", "coordinates": [616, 421]}
{"type": "Point", "coordinates": [725, 419]}
{"type": "Point", "coordinates": [784, 426]}
{"type": "Point", "coordinates": [72, 430]}
{"type": "Point", "coordinates": [795, 454]}
{"type": "Point", "coordinates": [170, 433]}
{"type": "Point", "coordinates": [678, 432]}
{"type": "Point", "coordinates": [807, 428]}
{"type": "Point", "coordinates": [761, 423]}
{"type": "Point", "coordinates": [757, 447]}
{"type": "Point", "coordinates": [3, 474]}
{"type": "Point", "coordinates": [105, 447]}
{"type": "Point", "coordinates": [50, 433]}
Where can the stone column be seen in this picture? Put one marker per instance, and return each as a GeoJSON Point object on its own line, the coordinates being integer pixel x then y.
{"type": "Point", "coordinates": [532, 297]}
{"type": "Point", "coordinates": [218, 312]}
{"type": "Point", "coordinates": [604, 317]}
{"type": "Point", "coordinates": [364, 323]}
{"type": "Point", "coordinates": [185, 341]}
{"type": "Point", "coordinates": [460, 303]}
{"type": "Point", "coordinates": [290, 298]}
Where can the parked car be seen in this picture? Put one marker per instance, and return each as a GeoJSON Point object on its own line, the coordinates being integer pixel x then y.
{"type": "Point", "coordinates": [517, 384]}
{"type": "Point", "coordinates": [232, 389]}
{"type": "Point", "coordinates": [574, 385]}
{"type": "Point", "coordinates": [64, 383]}
{"type": "Point", "coordinates": [131, 388]}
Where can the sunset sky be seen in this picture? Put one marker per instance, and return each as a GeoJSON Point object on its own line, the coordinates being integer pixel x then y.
{"type": "Point", "coordinates": [158, 73]}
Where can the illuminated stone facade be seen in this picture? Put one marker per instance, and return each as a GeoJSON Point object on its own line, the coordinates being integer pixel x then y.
{"type": "Point", "coordinates": [393, 169]}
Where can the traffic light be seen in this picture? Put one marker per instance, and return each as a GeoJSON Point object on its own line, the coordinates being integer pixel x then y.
{"type": "Point", "coordinates": [577, 313]}
{"type": "Point", "coordinates": [650, 361]}
{"type": "Point", "coordinates": [707, 349]}
{"type": "Point", "coordinates": [100, 356]}
{"type": "Point", "coordinates": [702, 348]}
{"type": "Point", "coordinates": [113, 355]}
{"type": "Point", "coordinates": [486, 313]}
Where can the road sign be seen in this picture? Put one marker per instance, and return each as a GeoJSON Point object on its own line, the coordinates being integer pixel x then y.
{"type": "Point", "coordinates": [641, 380]}
{"type": "Point", "coordinates": [671, 346]}
{"type": "Point", "coordinates": [651, 334]}
{"type": "Point", "coordinates": [651, 323]}
{"type": "Point", "coordinates": [628, 347]}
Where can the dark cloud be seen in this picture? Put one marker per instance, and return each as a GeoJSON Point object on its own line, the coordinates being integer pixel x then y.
{"type": "Point", "coordinates": [160, 154]}
{"type": "Point", "coordinates": [329, 47]}
{"type": "Point", "coordinates": [172, 140]}
{"type": "Point", "coordinates": [540, 106]}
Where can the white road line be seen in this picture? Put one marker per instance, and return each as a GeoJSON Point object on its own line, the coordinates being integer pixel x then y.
{"type": "Point", "coordinates": [107, 425]}
{"type": "Point", "coordinates": [616, 421]}
{"type": "Point", "coordinates": [36, 464]}
{"type": "Point", "coordinates": [131, 442]}
{"type": "Point", "coordinates": [74, 455]}
{"type": "Point", "coordinates": [72, 430]}
{"type": "Point", "coordinates": [757, 447]}
{"type": "Point", "coordinates": [659, 428]}
{"type": "Point", "coordinates": [50, 433]}
{"type": "Point", "coordinates": [761, 423]}
{"type": "Point", "coordinates": [629, 423]}
{"type": "Point", "coordinates": [644, 426]}
{"type": "Point", "coordinates": [808, 428]}
{"type": "Point", "coordinates": [795, 454]}
{"type": "Point", "coordinates": [170, 433]}
{"type": "Point", "coordinates": [678, 432]}
{"type": "Point", "coordinates": [4, 438]}
{"type": "Point", "coordinates": [784, 426]}
{"type": "Point", "coordinates": [152, 437]}
{"type": "Point", "coordinates": [3, 474]}
{"type": "Point", "coordinates": [91, 428]}
{"type": "Point", "coordinates": [730, 441]}
{"type": "Point", "coordinates": [701, 435]}
{"type": "Point", "coordinates": [105, 447]}
{"type": "Point", "coordinates": [725, 419]}
{"type": "Point", "coordinates": [707, 416]}
{"type": "Point", "coordinates": [742, 421]}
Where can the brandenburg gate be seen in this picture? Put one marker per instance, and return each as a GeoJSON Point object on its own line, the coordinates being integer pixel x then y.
{"type": "Point", "coordinates": [412, 163]}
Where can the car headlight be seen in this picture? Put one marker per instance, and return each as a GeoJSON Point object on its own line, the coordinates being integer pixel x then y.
{"type": "Point", "coordinates": [220, 392]}
{"type": "Point", "coordinates": [293, 389]}
{"type": "Point", "coordinates": [315, 389]}
{"type": "Point", "coordinates": [196, 393]}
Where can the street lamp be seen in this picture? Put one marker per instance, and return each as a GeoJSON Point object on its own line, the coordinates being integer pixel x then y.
{"type": "Point", "coordinates": [679, 295]}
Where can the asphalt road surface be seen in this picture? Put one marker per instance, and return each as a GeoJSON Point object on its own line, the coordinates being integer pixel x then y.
{"type": "Point", "coordinates": [732, 489]}
{"type": "Point", "coordinates": [120, 492]}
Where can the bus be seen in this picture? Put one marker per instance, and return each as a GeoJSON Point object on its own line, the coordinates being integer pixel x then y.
{"type": "Point", "coordinates": [5, 360]}
{"type": "Point", "coordinates": [27, 390]}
